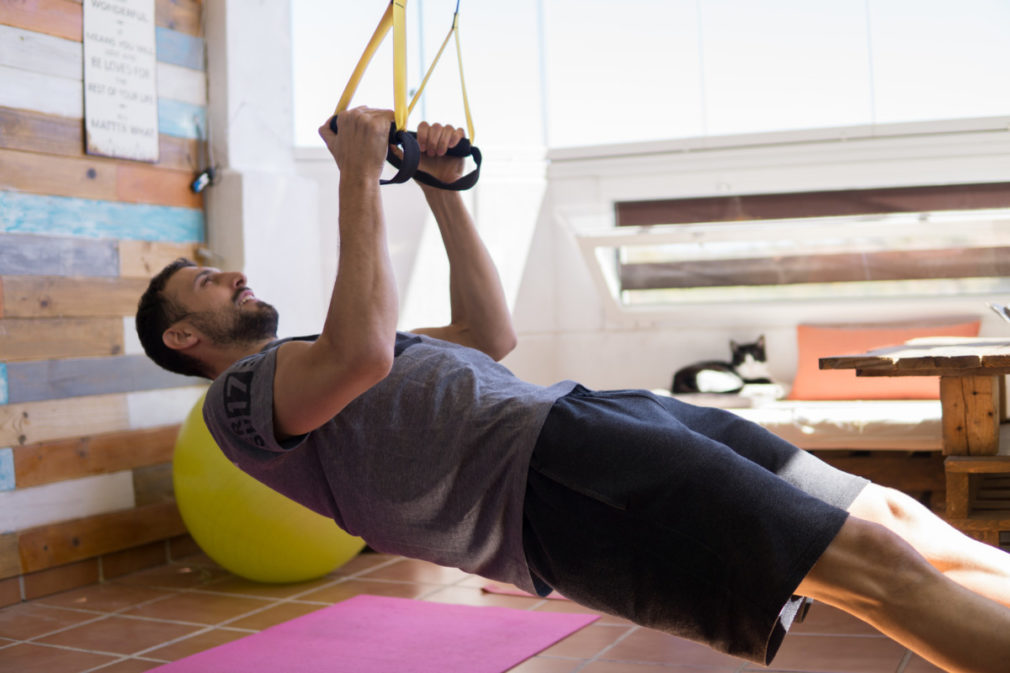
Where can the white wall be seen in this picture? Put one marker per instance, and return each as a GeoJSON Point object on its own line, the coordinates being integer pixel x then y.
{"type": "Point", "coordinates": [262, 216]}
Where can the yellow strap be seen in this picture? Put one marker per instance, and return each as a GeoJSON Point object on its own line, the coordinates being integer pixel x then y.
{"type": "Point", "coordinates": [385, 23]}
{"type": "Point", "coordinates": [431, 69]}
{"type": "Point", "coordinates": [453, 30]}
{"type": "Point", "coordinates": [395, 17]}
{"type": "Point", "coordinates": [400, 63]}
{"type": "Point", "coordinates": [462, 88]}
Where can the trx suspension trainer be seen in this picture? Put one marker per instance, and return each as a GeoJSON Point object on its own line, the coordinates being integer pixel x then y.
{"type": "Point", "coordinates": [395, 18]}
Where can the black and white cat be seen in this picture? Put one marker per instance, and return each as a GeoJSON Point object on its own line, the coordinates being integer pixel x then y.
{"type": "Point", "coordinates": [748, 365]}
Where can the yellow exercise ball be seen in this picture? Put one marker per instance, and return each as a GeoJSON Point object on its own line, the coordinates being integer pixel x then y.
{"type": "Point", "coordinates": [245, 526]}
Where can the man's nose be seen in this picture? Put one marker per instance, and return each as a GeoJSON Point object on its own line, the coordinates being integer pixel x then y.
{"type": "Point", "coordinates": [234, 279]}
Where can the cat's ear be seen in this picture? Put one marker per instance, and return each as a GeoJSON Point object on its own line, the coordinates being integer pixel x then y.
{"type": "Point", "coordinates": [761, 341]}
{"type": "Point", "coordinates": [733, 345]}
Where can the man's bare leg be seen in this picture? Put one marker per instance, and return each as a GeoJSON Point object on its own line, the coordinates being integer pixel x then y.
{"type": "Point", "coordinates": [975, 565]}
{"type": "Point", "coordinates": [873, 574]}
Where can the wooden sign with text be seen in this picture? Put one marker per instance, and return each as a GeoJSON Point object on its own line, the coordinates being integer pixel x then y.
{"type": "Point", "coordinates": [120, 86]}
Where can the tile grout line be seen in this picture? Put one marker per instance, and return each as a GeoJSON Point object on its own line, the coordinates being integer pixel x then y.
{"type": "Point", "coordinates": [275, 601]}
{"type": "Point", "coordinates": [173, 641]}
{"type": "Point", "coordinates": [174, 591]}
{"type": "Point", "coordinates": [71, 648]}
{"type": "Point", "coordinates": [272, 603]}
{"type": "Point", "coordinates": [204, 628]}
{"type": "Point", "coordinates": [109, 664]}
{"type": "Point", "coordinates": [100, 616]}
{"type": "Point", "coordinates": [596, 657]}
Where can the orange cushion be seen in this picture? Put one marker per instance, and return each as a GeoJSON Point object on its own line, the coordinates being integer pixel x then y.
{"type": "Point", "coordinates": [819, 341]}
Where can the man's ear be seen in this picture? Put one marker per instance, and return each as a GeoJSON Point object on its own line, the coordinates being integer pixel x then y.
{"type": "Point", "coordinates": [180, 337]}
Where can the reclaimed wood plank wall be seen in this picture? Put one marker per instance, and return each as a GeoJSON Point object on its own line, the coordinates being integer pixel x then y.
{"type": "Point", "coordinates": [87, 423]}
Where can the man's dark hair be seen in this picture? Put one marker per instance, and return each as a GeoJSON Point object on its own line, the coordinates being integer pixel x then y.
{"type": "Point", "coordinates": [155, 314]}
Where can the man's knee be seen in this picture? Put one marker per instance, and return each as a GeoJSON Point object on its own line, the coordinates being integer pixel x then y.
{"type": "Point", "coordinates": [888, 507]}
{"type": "Point", "coordinates": [867, 567]}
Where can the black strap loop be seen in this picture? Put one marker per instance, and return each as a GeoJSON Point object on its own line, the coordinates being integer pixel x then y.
{"type": "Point", "coordinates": [407, 166]}
{"type": "Point", "coordinates": [461, 149]}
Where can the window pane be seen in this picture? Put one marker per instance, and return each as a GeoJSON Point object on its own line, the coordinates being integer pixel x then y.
{"type": "Point", "coordinates": [899, 241]}
{"type": "Point", "coordinates": [955, 252]}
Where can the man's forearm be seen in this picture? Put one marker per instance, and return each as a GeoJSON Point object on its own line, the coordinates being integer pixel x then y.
{"type": "Point", "coordinates": [363, 308]}
{"type": "Point", "coordinates": [479, 308]}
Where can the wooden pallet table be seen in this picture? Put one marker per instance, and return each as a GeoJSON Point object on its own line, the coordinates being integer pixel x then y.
{"type": "Point", "coordinates": [972, 395]}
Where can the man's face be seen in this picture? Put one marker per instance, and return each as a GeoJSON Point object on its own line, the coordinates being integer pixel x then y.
{"type": "Point", "coordinates": [221, 306]}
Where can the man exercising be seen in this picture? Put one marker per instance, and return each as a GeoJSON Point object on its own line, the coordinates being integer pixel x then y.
{"type": "Point", "coordinates": [677, 517]}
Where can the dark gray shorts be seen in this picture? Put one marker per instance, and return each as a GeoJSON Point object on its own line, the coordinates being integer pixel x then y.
{"type": "Point", "coordinates": [681, 518]}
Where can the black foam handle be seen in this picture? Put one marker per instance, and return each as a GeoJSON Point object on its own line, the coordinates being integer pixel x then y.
{"type": "Point", "coordinates": [461, 149]}
{"type": "Point", "coordinates": [407, 166]}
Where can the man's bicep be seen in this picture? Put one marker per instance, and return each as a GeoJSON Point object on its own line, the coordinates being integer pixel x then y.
{"type": "Point", "coordinates": [310, 387]}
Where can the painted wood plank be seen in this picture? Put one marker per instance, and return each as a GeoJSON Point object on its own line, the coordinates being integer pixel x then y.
{"type": "Point", "coordinates": [142, 183]}
{"type": "Point", "coordinates": [34, 422]}
{"type": "Point", "coordinates": [154, 408]}
{"type": "Point", "coordinates": [144, 259]}
{"type": "Point", "coordinates": [65, 542]}
{"type": "Point", "coordinates": [59, 379]}
{"type": "Point", "coordinates": [179, 48]}
{"type": "Point", "coordinates": [50, 55]}
{"type": "Point", "coordinates": [61, 297]}
{"type": "Point", "coordinates": [26, 90]}
{"type": "Point", "coordinates": [62, 18]}
{"type": "Point", "coordinates": [105, 453]}
{"type": "Point", "coordinates": [42, 93]}
{"type": "Point", "coordinates": [50, 338]}
{"type": "Point", "coordinates": [10, 560]}
{"type": "Point", "coordinates": [182, 84]}
{"type": "Point", "coordinates": [64, 176]}
{"type": "Point", "coordinates": [32, 131]}
{"type": "Point", "coordinates": [1, 303]}
{"type": "Point", "coordinates": [131, 342]}
{"type": "Point", "coordinates": [3, 383]}
{"type": "Point", "coordinates": [28, 254]}
{"type": "Point", "coordinates": [153, 484]}
{"type": "Point", "coordinates": [40, 505]}
{"type": "Point", "coordinates": [38, 52]}
{"type": "Point", "coordinates": [96, 178]}
{"type": "Point", "coordinates": [181, 15]}
{"type": "Point", "coordinates": [67, 216]}
{"type": "Point", "coordinates": [176, 118]}
{"type": "Point", "coordinates": [179, 153]}
{"type": "Point", "coordinates": [39, 132]}
{"type": "Point", "coordinates": [7, 474]}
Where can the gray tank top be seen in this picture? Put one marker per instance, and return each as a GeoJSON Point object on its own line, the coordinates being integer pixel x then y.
{"type": "Point", "coordinates": [430, 463]}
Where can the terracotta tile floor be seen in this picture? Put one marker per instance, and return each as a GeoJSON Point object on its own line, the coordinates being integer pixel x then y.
{"type": "Point", "coordinates": [138, 622]}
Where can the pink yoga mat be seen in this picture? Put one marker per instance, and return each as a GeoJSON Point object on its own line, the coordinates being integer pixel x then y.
{"type": "Point", "coordinates": [373, 634]}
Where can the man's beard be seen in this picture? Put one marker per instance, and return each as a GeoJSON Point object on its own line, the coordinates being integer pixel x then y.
{"type": "Point", "coordinates": [240, 327]}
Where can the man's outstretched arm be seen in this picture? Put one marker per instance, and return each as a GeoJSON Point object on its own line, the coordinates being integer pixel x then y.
{"type": "Point", "coordinates": [480, 316]}
{"type": "Point", "coordinates": [314, 381]}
